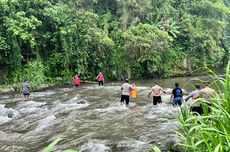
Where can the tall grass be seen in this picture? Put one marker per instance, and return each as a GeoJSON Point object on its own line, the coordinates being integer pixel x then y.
{"type": "Point", "coordinates": [209, 132]}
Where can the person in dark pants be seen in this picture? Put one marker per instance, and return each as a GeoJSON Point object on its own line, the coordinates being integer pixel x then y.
{"type": "Point", "coordinates": [177, 95]}
{"type": "Point", "coordinates": [156, 93]}
{"type": "Point", "coordinates": [125, 92]}
{"type": "Point", "coordinates": [196, 94]}
{"type": "Point", "coordinates": [100, 79]}
{"type": "Point", "coordinates": [26, 89]}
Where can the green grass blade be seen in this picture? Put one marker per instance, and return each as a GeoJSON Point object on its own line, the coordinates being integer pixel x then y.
{"type": "Point", "coordinates": [51, 145]}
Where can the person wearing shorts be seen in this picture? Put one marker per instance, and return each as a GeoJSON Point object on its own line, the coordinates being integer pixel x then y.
{"type": "Point", "coordinates": [156, 93]}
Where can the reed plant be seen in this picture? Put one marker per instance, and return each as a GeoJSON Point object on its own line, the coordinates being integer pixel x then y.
{"type": "Point", "coordinates": [209, 132]}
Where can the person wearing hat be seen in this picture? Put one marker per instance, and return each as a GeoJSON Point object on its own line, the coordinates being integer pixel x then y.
{"type": "Point", "coordinates": [125, 92]}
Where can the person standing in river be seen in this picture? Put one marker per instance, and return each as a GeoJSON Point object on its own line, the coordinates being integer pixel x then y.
{"type": "Point", "coordinates": [76, 81]}
{"type": "Point", "coordinates": [100, 79]}
{"type": "Point", "coordinates": [125, 92]}
{"type": "Point", "coordinates": [207, 92]}
{"type": "Point", "coordinates": [26, 89]}
{"type": "Point", "coordinates": [156, 93]}
{"type": "Point", "coordinates": [195, 95]}
{"type": "Point", "coordinates": [177, 95]}
{"type": "Point", "coordinates": [133, 91]}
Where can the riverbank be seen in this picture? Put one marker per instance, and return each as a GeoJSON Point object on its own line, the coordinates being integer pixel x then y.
{"type": "Point", "coordinates": [16, 88]}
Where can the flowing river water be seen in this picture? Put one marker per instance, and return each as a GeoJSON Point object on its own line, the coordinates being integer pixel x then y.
{"type": "Point", "coordinates": [91, 117]}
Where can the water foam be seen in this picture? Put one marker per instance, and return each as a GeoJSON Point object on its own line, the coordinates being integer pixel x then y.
{"type": "Point", "coordinates": [95, 145]}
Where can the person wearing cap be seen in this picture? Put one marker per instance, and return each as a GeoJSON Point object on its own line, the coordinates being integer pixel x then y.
{"type": "Point", "coordinates": [156, 93]}
{"type": "Point", "coordinates": [177, 95]}
{"type": "Point", "coordinates": [100, 79]}
{"type": "Point", "coordinates": [125, 92]}
{"type": "Point", "coordinates": [26, 89]}
{"type": "Point", "coordinates": [195, 95]}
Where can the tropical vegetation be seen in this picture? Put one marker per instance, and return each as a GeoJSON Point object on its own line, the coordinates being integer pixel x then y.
{"type": "Point", "coordinates": [44, 39]}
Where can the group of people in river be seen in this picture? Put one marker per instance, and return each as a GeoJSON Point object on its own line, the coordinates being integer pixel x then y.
{"type": "Point", "coordinates": [176, 95]}
{"type": "Point", "coordinates": [99, 78]}
{"type": "Point", "coordinates": [128, 90]}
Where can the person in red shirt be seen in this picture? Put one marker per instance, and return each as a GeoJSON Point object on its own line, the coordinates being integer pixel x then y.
{"type": "Point", "coordinates": [100, 79]}
{"type": "Point", "coordinates": [76, 81]}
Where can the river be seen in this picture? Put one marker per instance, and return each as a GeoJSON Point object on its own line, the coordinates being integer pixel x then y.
{"type": "Point", "coordinates": [91, 117]}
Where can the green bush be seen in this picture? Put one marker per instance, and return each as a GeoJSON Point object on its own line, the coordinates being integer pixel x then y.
{"type": "Point", "coordinates": [33, 72]}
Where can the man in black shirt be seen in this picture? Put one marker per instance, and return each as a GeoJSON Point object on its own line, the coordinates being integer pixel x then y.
{"type": "Point", "coordinates": [177, 95]}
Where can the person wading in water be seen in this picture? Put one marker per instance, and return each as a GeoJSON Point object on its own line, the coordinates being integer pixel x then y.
{"type": "Point", "coordinates": [195, 95]}
{"type": "Point", "coordinates": [26, 89]}
{"type": "Point", "coordinates": [156, 93]}
{"type": "Point", "coordinates": [177, 95]}
{"type": "Point", "coordinates": [125, 92]}
{"type": "Point", "coordinates": [100, 79]}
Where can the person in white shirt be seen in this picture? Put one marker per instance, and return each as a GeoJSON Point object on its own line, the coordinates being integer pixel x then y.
{"type": "Point", "coordinates": [125, 92]}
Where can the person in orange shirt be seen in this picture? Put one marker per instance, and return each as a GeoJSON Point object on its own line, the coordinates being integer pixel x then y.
{"type": "Point", "coordinates": [133, 91]}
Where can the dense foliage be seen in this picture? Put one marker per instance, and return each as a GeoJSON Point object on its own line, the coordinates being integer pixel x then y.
{"type": "Point", "coordinates": [137, 38]}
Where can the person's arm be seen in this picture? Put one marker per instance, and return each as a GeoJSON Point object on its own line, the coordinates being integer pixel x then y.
{"type": "Point", "coordinates": [189, 96]}
{"type": "Point", "coordinates": [22, 90]}
{"type": "Point", "coordinates": [29, 88]}
{"type": "Point", "coordinates": [172, 95]}
{"type": "Point", "coordinates": [163, 90]}
{"type": "Point", "coordinates": [150, 93]}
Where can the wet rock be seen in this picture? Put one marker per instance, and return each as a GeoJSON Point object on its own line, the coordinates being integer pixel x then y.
{"type": "Point", "coordinates": [95, 145]}
{"type": "Point", "coordinates": [172, 146]}
{"type": "Point", "coordinates": [10, 115]}
{"type": "Point", "coordinates": [81, 102]}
